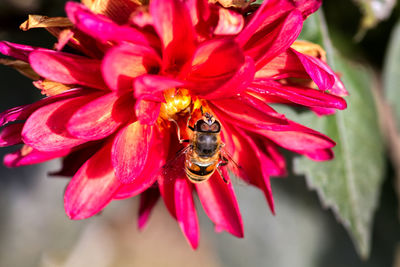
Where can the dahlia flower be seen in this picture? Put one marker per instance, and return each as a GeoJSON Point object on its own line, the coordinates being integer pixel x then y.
{"type": "Point", "coordinates": [125, 79]}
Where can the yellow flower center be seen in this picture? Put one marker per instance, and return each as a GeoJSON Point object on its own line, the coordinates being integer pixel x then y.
{"type": "Point", "coordinates": [177, 103]}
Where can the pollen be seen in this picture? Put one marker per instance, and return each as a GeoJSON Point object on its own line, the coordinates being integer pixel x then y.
{"type": "Point", "coordinates": [177, 103]}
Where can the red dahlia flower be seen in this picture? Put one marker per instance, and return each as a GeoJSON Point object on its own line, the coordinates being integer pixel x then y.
{"type": "Point", "coordinates": [140, 71]}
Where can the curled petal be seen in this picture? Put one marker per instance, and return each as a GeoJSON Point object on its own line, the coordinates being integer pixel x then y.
{"type": "Point", "coordinates": [67, 68]}
{"type": "Point", "coordinates": [125, 62]}
{"type": "Point", "coordinates": [241, 113]}
{"type": "Point", "coordinates": [101, 117]}
{"type": "Point", "coordinates": [219, 202]}
{"type": "Point", "coordinates": [18, 51]}
{"type": "Point", "coordinates": [299, 95]}
{"type": "Point", "coordinates": [92, 187]}
{"type": "Point", "coordinates": [186, 211]}
{"type": "Point", "coordinates": [46, 129]}
{"type": "Point", "coordinates": [229, 23]}
{"type": "Point", "coordinates": [151, 87]}
{"type": "Point", "coordinates": [130, 151]}
{"type": "Point", "coordinates": [28, 156]}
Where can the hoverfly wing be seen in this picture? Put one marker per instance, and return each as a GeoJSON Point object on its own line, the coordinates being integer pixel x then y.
{"type": "Point", "coordinates": [173, 168]}
{"type": "Point", "coordinates": [238, 175]}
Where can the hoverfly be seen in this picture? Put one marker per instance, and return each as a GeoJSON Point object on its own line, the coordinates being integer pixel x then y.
{"type": "Point", "coordinates": [204, 155]}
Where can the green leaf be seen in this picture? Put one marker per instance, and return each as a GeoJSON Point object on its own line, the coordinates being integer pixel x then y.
{"type": "Point", "coordinates": [350, 184]}
{"type": "Point", "coordinates": [391, 73]}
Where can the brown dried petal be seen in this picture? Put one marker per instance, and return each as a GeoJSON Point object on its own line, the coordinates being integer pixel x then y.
{"type": "Point", "coordinates": [38, 21]}
{"type": "Point", "coordinates": [310, 49]}
{"type": "Point", "coordinates": [50, 88]}
{"type": "Point", "coordinates": [21, 66]}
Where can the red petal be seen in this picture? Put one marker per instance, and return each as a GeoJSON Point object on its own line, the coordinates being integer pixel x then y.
{"type": "Point", "coordinates": [123, 63]}
{"type": "Point", "coordinates": [147, 111]}
{"type": "Point", "coordinates": [173, 24]}
{"type": "Point", "coordinates": [271, 41]}
{"type": "Point", "coordinates": [101, 117]}
{"type": "Point", "coordinates": [46, 128]}
{"type": "Point", "coordinates": [219, 202]}
{"type": "Point", "coordinates": [67, 68]}
{"type": "Point", "coordinates": [92, 187]}
{"type": "Point", "coordinates": [104, 29]}
{"type": "Point", "coordinates": [130, 151]}
{"type": "Point", "coordinates": [148, 199]}
{"type": "Point", "coordinates": [11, 134]}
{"type": "Point", "coordinates": [29, 156]}
{"type": "Point", "coordinates": [186, 211]}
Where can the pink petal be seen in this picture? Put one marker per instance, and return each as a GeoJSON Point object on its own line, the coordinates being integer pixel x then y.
{"type": "Point", "coordinates": [299, 95]}
{"type": "Point", "coordinates": [46, 129]}
{"type": "Point", "coordinates": [67, 68]}
{"type": "Point", "coordinates": [242, 114]}
{"type": "Point", "coordinates": [166, 181]}
{"type": "Point", "coordinates": [123, 63]}
{"type": "Point", "coordinates": [158, 152]}
{"type": "Point", "coordinates": [319, 72]}
{"type": "Point", "coordinates": [219, 202]}
{"type": "Point", "coordinates": [23, 112]}
{"type": "Point", "coordinates": [130, 151]}
{"type": "Point", "coordinates": [151, 87]}
{"type": "Point", "coordinates": [229, 23]}
{"type": "Point", "coordinates": [255, 163]}
{"type": "Point", "coordinates": [147, 111]}
{"type": "Point", "coordinates": [173, 24]}
{"type": "Point", "coordinates": [148, 199]}
{"type": "Point", "coordinates": [92, 187]}
{"type": "Point", "coordinates": [11, 134]}
{"type": "Point", "coordinates": [104, 29]}
{"type": "Point", "coordinates": [18, 51]}
{"type": "Point", "coordinates": [101, 117]}
{"type": "Point", "coordinates": [298, 138]}
{"type": "Point", "coordinates": [29, 156]}
{"type": "Point", "coordinates": [186, 211]}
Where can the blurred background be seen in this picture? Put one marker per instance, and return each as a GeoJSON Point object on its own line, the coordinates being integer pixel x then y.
{"type": "Point", "coordinates": [34, 230]}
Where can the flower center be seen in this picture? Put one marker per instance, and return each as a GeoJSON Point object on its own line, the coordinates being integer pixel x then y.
{"type": "Point", "coordinates": [177, 103]}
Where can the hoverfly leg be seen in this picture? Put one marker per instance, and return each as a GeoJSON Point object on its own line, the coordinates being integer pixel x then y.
{"type": "Point", "coordinates": [222, 175]}
{"type": "Point", "coordinates": [178, 132]}
{"type": "Point", "coordinates": [223, 162]}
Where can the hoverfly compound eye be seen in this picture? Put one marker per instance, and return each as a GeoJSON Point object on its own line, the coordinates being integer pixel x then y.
{"type": "Point", "coordinates": [204, 127]}
{"type": "Point", "coordinates": [215, 127]}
